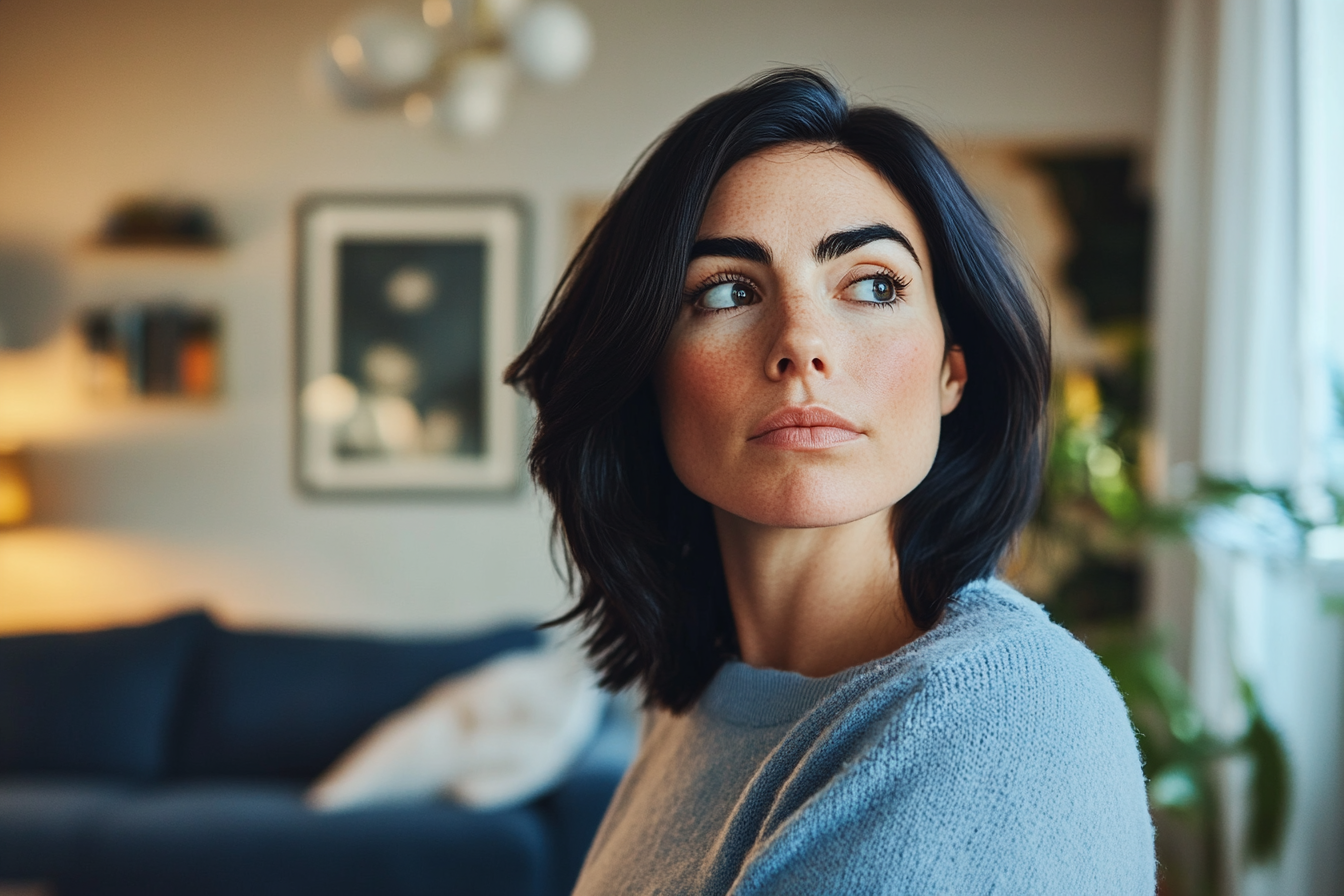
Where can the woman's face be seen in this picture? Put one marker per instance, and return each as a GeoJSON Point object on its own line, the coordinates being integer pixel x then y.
{"type": "Point", "coordinates": [804, 382]}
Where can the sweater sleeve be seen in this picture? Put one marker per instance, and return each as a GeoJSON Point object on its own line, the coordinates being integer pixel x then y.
{"type": "Point", "coordinates": [1012, 771]}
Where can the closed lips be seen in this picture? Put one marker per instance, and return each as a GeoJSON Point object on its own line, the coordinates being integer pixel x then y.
{"type": "Point", "coordinates": [810, 427]}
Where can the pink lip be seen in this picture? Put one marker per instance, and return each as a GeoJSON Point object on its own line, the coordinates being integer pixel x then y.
{"type": "Point", "coordinates": [804, 427]}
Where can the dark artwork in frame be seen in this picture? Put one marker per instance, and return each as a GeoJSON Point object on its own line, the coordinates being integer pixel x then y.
{"type": "Point", "coordinates": [411, 321]}
{"type": "Point", "coordinates": [407, 316]}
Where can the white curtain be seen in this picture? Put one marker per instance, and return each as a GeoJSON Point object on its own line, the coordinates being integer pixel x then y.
{"type": "Point", "coordinates": [1250, 302]}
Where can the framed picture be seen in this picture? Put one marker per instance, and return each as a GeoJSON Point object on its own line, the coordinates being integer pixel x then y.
{"type": "Point", "coordinates": [407, 315]}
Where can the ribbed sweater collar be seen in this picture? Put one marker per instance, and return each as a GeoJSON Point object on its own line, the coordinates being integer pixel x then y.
{"type": "Point", "coordinates": [758, 698]}
{"type": "Point", "coordinates": [744, 695]}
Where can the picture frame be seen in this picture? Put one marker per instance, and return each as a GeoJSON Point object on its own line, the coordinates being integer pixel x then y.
{"type": "Point", "coordinates": [407, 311]}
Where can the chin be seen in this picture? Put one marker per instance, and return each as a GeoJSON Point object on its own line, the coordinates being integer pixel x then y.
{"type": "Point", "coordinates": [805, 505]}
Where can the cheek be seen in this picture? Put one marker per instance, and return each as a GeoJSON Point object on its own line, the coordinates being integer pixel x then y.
{"type": "Point", "coordinates": [901, 377]}
{"type": "Point", "coordinates": [698, 384]}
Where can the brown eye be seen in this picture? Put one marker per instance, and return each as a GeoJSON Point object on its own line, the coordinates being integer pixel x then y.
{"type": "Point", "coordinates": [726, 295]}
{"type": "Point", "coordinates": [878, 289]}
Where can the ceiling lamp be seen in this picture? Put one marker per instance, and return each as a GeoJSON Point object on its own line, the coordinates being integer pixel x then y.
{"type": "Point", "coordinates": [455, 63]}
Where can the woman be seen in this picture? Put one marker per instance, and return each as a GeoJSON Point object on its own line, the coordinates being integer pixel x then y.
{"type": "Point", "coordinates": [790, 398]}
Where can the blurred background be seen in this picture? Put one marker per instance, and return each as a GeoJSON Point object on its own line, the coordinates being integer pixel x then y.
{"type": "Point", "coordinates": [136, 507]}
{"type": "Point", "coordinates": [1162, 166]}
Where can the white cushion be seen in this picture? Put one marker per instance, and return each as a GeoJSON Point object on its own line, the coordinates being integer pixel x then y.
{"type": "Point", "coordinates": [495, 737]}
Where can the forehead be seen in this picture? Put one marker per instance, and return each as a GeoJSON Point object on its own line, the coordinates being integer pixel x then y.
{"type": "Point", "coordinates": [804, 192]}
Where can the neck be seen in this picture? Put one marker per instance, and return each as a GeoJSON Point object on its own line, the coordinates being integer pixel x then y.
{"type": "Point", "coordinates": [814, 601]}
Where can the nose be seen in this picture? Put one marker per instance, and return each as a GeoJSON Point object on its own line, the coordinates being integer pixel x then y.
{"type": "Point", "coordinates": [800, 347]}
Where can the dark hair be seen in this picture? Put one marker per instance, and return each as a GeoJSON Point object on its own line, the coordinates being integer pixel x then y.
{"type": "Point", "coordinates": [651, 591]}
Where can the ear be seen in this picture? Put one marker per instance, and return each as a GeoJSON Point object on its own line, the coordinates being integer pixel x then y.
{"type": "Point", "coordinates": [953, 381]}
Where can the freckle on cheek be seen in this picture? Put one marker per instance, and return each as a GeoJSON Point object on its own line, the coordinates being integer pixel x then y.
{"type": "Point", "coordinates": [701, 371]}
{"type": "Point", "coordinates": [702, 391]}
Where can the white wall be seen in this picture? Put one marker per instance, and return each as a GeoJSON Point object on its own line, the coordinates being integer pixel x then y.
{"type": "Point", "coordinates": [99, 99]}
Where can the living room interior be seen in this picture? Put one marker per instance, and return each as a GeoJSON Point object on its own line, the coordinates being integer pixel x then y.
{"type": "Point", "coordinates": [191, 167]}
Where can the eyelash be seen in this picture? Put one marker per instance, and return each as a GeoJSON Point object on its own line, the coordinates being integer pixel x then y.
{"type": "Point", "coordinates": [898, 282]}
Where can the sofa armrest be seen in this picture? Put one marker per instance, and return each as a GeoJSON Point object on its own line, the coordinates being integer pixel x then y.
{"type": "Point", "coordinates": [575, 808]}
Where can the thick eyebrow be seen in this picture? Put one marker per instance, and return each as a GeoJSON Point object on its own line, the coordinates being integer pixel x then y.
{"type": "Point", "coordinates": [846, 241]}
{"type": "Point", "coordinates": [731, 247]}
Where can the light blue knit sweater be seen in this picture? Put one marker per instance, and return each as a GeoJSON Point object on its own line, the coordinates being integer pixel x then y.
{"type": "Point", "coordinates": [991, 755]}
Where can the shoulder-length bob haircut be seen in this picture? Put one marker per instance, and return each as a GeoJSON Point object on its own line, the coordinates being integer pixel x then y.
{"type": "Point", "coordinates": [642, 552]}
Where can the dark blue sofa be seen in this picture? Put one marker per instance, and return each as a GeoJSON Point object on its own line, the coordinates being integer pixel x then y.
{"type": "Point", "coordinates": [170, 759]}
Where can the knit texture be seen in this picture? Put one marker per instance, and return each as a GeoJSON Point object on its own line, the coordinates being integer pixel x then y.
{"type": "Point", "coordinates": [993, 754]}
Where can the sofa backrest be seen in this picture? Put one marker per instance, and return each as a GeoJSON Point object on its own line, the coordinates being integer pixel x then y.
{"type": "Point", "coordinates": [267, 704]}
{"type": "Point", "coordinates": [184, 698]}
{"type": "Point", "coordinates": [94, 703]}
